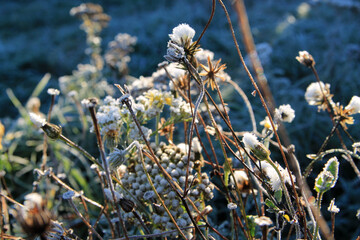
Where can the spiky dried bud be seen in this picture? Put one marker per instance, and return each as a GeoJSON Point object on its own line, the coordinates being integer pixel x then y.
{"type": "Point", "coordinates": [52, 131]}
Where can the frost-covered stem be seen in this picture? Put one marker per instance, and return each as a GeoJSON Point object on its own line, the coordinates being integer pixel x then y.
{"type": "Point", "coordinates": [157, 121]}
{"type": "Point", "coordinates": [83, 120]}
{"type": "Point", "coordinates": [264, 105]}
{"type": "Point", "coordinates": [247, 103]}
{"type": "Point", "coordinates": [83, 219]}
{"type": "Point", "coordinates": [316, 229]}
{"type": "Point", "coordinates": [45, 143]}
{"type": "Point", "coordinates": [225, 181]}
{"type": "Point", "coordinates": [278, 229]}
{"type": "Point", "coordinates": [199, 80]}
{"type": "Point", "coordinates": [80, 149]}
{"type": "Point", "coordinates": [106, 167]}
{"type": "Point", "coordinates": [309, 167]}
{"type": "Point", "coordinates": [141, 159]}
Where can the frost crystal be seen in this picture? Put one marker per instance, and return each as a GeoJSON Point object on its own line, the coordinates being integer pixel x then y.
{"type": "Point", "coordinates": [37, 120]}
{"type": "Point", "coordinates": [182, 34]}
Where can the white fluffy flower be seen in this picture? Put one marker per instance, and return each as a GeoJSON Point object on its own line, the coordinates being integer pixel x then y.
{"type": "Point", "coordinates": [250, 141]}
{"type": "Point", "coordinates": [354, 105]}
{"type": "Point", "coordinates": [37, 120]}
{"type": "Point", "coordinates": [285, 113]}
{"type": "Point", "coordinates": [314, 94]}
{"type": "Point", "coordinates": [182, 34]}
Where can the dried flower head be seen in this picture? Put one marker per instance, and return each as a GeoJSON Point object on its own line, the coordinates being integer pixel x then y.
{"type": "Point", "coordinates": [89, 102]}
{"type": "Point", "coordinates": [354, 105]}
{"type": "Point", "coordinates": [211, 72]}
{"type": "Point", "coordinates": [271, 173]}
{"type": "Point", "coordinates": [343, 115]}
{"type": "Point", "coordinates": [34, 218]}
{"type": "Point", "coordinates": [306, 59]}
{"type": "Point", "coordinates": [317, 93]}
{"type": "Point", "coordinates": [285, 113]}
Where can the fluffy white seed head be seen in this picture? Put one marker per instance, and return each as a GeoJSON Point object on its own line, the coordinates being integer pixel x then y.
{"type": "Point", "coordinates": [285, 113]}
{"type": "Point", "coordinates": [354, 105]}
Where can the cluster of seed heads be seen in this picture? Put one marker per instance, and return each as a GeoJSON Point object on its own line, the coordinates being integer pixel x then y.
{"type": "Point", "coordinates": [174, 160]}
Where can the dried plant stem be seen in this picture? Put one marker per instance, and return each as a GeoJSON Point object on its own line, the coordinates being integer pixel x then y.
{"type": "Point", "coordinates": [80, 149]}
{"type": "Point", "coordinates": [330, 110]}
{"type": "Point", "coordinates": [200, 81]}
{"type": "Point", "coordinates": [105, 204]}
{"type": "Point", "coordinates": [247, 103]}
{"type": "Point", "coordinates": [83, 219]}
{"type": "Point", "coordinates": [106, 167]}
{"type": "Point", "coordinates": [45, 144]}
{"type": "Point", "coordinates": [266, 109]}
{"type": "Point", "coordinates": [163, 234]}
{"type": "Point", "coordinates": [316, 230]}
{"type": "Point", "coordinates": [242, 209]}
